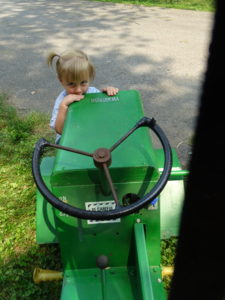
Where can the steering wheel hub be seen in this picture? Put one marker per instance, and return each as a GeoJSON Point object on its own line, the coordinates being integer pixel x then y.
{"type": "Point", "coordinates": [102, 156]}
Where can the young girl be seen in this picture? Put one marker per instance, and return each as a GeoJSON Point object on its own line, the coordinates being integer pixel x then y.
{"type": "Point", "coordinates": [75, 72]}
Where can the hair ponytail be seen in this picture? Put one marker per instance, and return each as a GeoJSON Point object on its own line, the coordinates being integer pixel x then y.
{"type": "Point", "coordinates": [51, 57]}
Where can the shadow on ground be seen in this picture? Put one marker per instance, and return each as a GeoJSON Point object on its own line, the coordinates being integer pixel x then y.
{"type": "Point", "coordinates": [123, 58]}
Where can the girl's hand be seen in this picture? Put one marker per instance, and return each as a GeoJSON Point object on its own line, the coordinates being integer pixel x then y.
{"type": "Point", "coordinates": [70, 99]}
{"type": "Point", "coordinates": [110, 90]}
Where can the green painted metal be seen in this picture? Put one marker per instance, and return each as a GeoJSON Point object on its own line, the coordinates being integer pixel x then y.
{"type": "Point", "coordinates": [45, 222]}
{"type": "Point", "coordinates": [171, 201]}
{"type": "Point", "coordinates": [149, 274]}
{"type": "Point", "coordinates": [97, 121]}
{"type": "Point", "coordinates": [103, 238]}
{"type": "Point", "coordinates": [132, 243]}
{"type": "Point", "coordinates": [143, 263]}
{"type": "Point", "coordinates": [75, 179]}
{"type": "Point", "coordinates": [140, 281]}
{"type": "Point", "coordinates": [120, 283]}
{"type": "Point", "coordinates": [172, 196]}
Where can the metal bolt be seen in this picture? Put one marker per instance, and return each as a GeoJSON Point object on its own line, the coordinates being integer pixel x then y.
{"type": "Point", "coordinates": [101, 153]}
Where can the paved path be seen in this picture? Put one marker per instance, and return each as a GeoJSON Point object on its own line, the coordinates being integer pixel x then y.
{"type": "Point", "coordinates": [160, 52]}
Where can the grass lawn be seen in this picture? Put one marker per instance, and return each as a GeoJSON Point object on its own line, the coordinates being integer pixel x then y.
{"type": "Point", "coordinates": [18, 248]}
{"type": "Point", "coordinates": [202, 5]}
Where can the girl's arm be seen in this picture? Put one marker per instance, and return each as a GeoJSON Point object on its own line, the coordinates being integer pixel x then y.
{"type": "Point", "coordinates": [59, 123]}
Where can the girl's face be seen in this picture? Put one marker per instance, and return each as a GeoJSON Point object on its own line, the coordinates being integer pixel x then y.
{"type": "Point", "coordinates": [75, 88]}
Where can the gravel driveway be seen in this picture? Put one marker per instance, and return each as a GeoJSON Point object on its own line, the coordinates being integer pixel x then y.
{"type": "Point", "coordinates": [160, 52]}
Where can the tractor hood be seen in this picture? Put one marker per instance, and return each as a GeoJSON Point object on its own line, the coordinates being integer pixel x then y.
{"type": "Point", "coordinates": [99, 121]}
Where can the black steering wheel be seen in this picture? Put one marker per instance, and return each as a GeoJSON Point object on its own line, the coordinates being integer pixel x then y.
{"type": "Point", "coordinates": [102, 159]}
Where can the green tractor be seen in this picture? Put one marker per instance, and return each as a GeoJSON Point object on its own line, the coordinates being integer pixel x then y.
{"type": "Point", "coordinates": [108, 197]}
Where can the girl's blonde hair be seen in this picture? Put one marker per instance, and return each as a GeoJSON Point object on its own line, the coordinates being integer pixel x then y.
{"type": "Point", "coordinates": [72, 66]}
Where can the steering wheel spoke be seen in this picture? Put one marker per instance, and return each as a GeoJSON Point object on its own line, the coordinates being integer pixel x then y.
{"type": "Point", "coordinates": [70, 149]}
{"type": "Point", "coordinates": [144, 122]}
{"type": "Point", "coordinates": [109, 178]}
{"type": "Point", "coordinates": [122, 139]}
